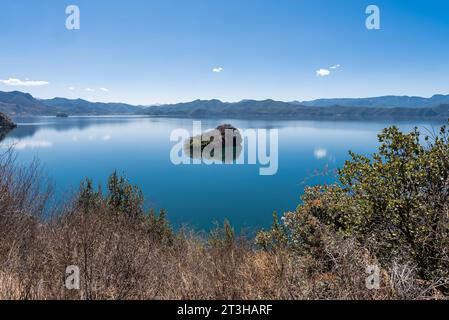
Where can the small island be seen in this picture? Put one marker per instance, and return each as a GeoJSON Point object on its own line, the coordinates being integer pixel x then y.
{"type": "Point", "coordinates": [6, 125]}
{"type": "Point", "coordinates": [62, 115]}
{"type": "Point", "coordinates": [223, 137]}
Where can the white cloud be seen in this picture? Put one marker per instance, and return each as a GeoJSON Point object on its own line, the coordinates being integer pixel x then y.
{"type": "Point", "coordinates": [90, 90]}
{"type": "Point", "coordinates": [218, 70]}
{"type": "Point", "coordinates": [23, 83]}
{"type": "Point", "coordinates": [107, 137]}
{"type": "Point", "coordinates": [323, 73]}
{"type": "Point", "coordinates": [72, 88]}
{"type": "Point", "coordinates": [326, 72]}
{"type": "Point", "coordinates": [104, 89]}
{"type": "Point", "coordinates": [320, 153]}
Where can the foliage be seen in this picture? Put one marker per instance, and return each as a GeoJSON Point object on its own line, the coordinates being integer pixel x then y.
{"type": "Point", "coordinates": [396, 203]}
{"type": "Point", "coordinates": [159, 227]}
{"type": "Point", "coordinates": [402, 195]}
{"type": "Point", "coordinates": [124, 197]}
{"type": "Point", "coordinates": [127, 200]}
{"type": "Point", "coordinates": [88, 198]}
{"type": "Point", "coordinates": [276, 238]}
{"type": "Point", "coordinates": [222, 237]}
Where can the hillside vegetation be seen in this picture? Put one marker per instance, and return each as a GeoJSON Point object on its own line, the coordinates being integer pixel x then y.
{"type": "Point", "coordinates": [390, 211]}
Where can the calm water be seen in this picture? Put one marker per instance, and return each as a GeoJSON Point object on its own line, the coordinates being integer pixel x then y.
{"type": "Point", "coordinates": [78, 147]}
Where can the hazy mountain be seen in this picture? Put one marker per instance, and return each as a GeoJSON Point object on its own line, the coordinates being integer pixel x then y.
{"type": "Point", "coordinates": [269, 109]}
{"type": "Point", "coordinates": [17, 103]}
{"type": "Point", "coordinates": [381, 102]}
{"type": "Point", "coordinates": [204, 108]}
{"type": "Point", "coordinates": [81, 107]}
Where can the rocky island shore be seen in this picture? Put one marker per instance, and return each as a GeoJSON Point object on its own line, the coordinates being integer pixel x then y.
{"type": "Point", "coordinates": [223, 137]}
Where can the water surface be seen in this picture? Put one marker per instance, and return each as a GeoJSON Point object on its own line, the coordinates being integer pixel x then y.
{"type": "Point", "coordinates": [71, 149]}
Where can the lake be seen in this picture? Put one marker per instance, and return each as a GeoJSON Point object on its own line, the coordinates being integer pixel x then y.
{"type": "Point", "coordinates": [71, 149]}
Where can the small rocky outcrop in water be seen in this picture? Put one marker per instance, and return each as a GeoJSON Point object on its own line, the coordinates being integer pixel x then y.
{"type": "Point", "coordinates": [223, 137]}
{"type": "Point", "coordinates": [6, 123]}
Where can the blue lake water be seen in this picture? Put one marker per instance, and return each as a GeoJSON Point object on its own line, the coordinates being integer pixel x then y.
{"type": "Point", "coordinates": [71, 149]}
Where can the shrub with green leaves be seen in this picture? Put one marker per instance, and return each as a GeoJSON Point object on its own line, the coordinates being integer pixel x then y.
{"type": "Point", "coordinates": [401, 195]}
{"type": "Point", "coordinates": [124, 197]}
{"type": "Point", "coordinates": [88, 199]}
{"type": "Point", "coordinates": [159, 227]}
{"type": "Point", "coordinates": [124, 200]}
{"type": "Point", "coordinates": [395, 202]}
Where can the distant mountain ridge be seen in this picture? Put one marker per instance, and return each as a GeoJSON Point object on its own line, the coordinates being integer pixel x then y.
{"type": "Point", "coordinates": [17, 103]}
{"type": "Point", "coordinates": [80, 106]}
{"type": "Point", "coordinates": [270, 109]}
{"type": "Point", "coordinates": [380, 102]}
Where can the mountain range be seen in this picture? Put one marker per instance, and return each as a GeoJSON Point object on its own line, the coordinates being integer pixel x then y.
{"type": "Point", "coordinates": [17, 103]}
{"type": "Point", "coordinates": [381, 102]}
{"type": "Point", "coordinates": [270, 109]}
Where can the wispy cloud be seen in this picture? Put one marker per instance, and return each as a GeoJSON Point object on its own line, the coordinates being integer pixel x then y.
{"type": "Point", "coordinates": [218, 70]}
{"type": "Point", "coordinates": [23, 83]}
{"type": "Point", "coordinates": [104, 89]}
{"type": "Point", "coordinates": [90, 90]}
{"type": "Point", "coordinates": [323, 72]}
{"type": "Point", "coordinates": [72, 88]}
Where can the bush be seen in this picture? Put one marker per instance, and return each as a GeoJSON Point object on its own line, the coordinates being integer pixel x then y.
{"type": "Point", "coordinates": [124, 197]}
{"type": "Point", "coordinates": [401, 196]}
{"type": "Point", "coordinates": [395, 203]}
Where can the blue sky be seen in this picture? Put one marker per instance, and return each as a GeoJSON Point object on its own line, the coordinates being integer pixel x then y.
{"type": "Point", "coordinates": [162, 51]}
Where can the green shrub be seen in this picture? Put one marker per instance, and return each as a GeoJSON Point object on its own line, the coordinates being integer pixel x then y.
{"type": "Point", "coordinates": [88, 198]}
{"type": "Point", "coordinates": [396, 203]}
{"type": "Point", "coordinates": [159, 227]}
{"type": "Point", "coordinates": [401, 196]}
{"type": "Point", "coordinates": [274, 239]}
{"type": "Point", "coordinates": [124, 197]}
